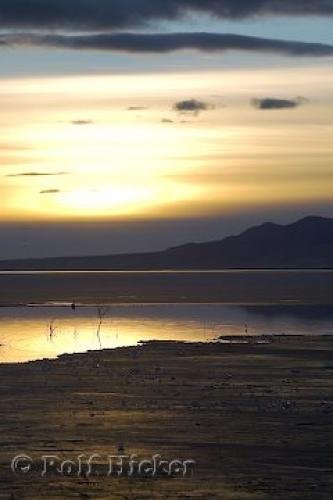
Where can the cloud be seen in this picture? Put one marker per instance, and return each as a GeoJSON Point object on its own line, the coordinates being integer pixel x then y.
{"type": "Point", "coordinates": [92, 15]}
{"type": "Point", "coordinates": [36, 174]}
{"type": "Point", "coordinates": [50, 191]}
{"type": "Point", "coordinates": [82, 122]}
{"type": "Point", "coordinates": [191, 106]}
{"type": "Point", "coordinates": [136, 108]}
{"type": "Point", "coordinates": [168, 42]}
{"type": "Point", "coordinates": [268, 103]}
{"type": "Point", "coordinates": [166, 120]}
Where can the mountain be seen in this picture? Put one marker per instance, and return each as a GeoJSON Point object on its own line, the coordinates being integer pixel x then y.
{"type": "Point", "coordinates": [307, 243]}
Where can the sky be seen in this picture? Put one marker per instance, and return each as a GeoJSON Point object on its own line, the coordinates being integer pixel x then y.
{"type": "Point", "coordinates": [136, 125]}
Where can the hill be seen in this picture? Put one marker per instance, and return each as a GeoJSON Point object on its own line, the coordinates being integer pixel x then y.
{"type": "Point", "coordinates": [307, 243]}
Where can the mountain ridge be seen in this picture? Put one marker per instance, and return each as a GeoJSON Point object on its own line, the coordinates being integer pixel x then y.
{"type": "Point", "coordinates": [306, 243]}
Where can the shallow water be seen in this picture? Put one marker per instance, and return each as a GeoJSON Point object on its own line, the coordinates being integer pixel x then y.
{"type": "Point", "coordinates": [29, 333]}
{"type": "Point", "coordinates": [229, 286]}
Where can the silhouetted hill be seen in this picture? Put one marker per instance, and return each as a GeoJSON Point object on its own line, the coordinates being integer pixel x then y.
{"type": "Point", "coordinates": [307, 243]}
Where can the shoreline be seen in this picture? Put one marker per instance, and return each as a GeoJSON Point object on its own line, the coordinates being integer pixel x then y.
{"type": "Point", "coordinates": [240, 340]}
{"type": "Point", "coordinates": [256, 418]}
{"type": "Point", "coordinates": [281, 303]}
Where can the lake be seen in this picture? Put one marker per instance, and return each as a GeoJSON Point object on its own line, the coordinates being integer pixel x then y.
{"type": "Point", "coordinates": [36, 319]}
{"type": "Point", "coordinates": [34, 332]}
{"type": "Point", "coordinates": [237, 287]}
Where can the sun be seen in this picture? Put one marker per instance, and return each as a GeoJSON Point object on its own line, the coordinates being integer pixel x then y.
{"type": "Point", "coordinates": [113, 199]}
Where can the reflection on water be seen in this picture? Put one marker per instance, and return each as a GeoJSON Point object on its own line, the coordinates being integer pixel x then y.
{"type": "Point", "coordinates": [28, 333]}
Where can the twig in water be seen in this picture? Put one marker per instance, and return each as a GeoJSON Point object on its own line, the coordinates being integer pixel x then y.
{"type": "Point", "coordinates": [102, 312]}
{"type": "Point", "coordinates": [52, 330]}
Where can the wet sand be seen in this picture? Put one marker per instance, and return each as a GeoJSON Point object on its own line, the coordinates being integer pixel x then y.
{"type": "Point", "coordinates": [257, 419]}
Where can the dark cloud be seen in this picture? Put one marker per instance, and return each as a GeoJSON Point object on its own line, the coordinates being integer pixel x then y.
{"type": "Point", "coordinates": [119, 14]}
{"type": "Point", "coordinates": [168, 42]}
{"type": "Point", "coordinates": [136, 108]}
{"type": "Point", "coordinates": [82, 122]}
{"type": "Point", "coordinates": [191, 106]}
{"type": "Point", "coordinates": [268, 103]}
{"type": "Point", "coordinates": [49, 191]}
{"type": "Point", "coordinates": [36, 174]}
{"type": "Point", "coordinates": [167, 120]}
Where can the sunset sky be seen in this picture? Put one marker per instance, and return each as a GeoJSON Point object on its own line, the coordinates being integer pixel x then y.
{"type": "Point", "coordinates": [135, 125]}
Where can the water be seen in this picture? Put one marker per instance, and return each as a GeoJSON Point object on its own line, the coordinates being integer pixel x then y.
{"type": "Point", "coordinates": [209, 304]}
{"type": "Point", "coordinates": [29, 333]}
{"type": "Point", "coordinates": [230, 286]}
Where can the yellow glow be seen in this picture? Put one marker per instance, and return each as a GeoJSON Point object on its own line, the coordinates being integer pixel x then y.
{"type": "Point", "coordinates": [113, 199]}
{"type": "Point", "coordinates": [130, 163]}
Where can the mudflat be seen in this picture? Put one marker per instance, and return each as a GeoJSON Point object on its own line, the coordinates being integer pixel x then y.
{"type": "Point", "coordinates": [256, 418]}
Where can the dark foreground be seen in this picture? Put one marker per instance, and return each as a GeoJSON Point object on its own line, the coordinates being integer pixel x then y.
{"type": "Point", "coordinates": [257, 419]}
